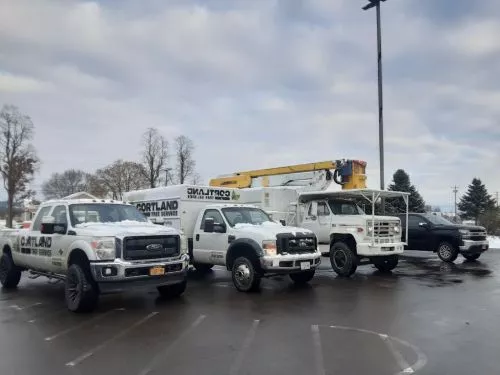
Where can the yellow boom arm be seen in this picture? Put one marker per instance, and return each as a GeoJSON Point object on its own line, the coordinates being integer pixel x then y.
{"type": "Point", "coordinates": [349, 173]}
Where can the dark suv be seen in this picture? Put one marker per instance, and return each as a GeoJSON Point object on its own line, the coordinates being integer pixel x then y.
{"type": "Point", "coordinates": [429, 232]}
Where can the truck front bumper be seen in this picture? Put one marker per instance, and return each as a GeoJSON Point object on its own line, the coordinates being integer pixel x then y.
{"type": "Point", "coordinates": [290, 263]}
{"type": "Point", "coordinates": [474, 247]}
{"type": "Point", "coordinates": [119, 275]}
{"type": "Point", "coordinates": [369, 250]}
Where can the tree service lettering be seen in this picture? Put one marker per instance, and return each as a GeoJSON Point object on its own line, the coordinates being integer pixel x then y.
{"type": "Point", "coordinates": [210, 194]}
{"type": "Point", "coordinates": [159, 208]}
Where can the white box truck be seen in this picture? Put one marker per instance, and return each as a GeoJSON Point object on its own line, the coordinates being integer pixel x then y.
{"type": "Point", "coordinates": [220, 231]}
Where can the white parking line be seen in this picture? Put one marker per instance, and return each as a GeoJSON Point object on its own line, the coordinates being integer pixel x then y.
{"type": "Point", "coordinates": [45, 316]}
{"type": "Point", "coordinates": [406, 368]}
{"type": "Point", "coordinates": [84, 323]}
{"type": "Point", "coordinates": [123, 332]}
{"type": "Point", "coordinates": [161, 355]}
{"type": "Point", "coordinates": [235, 367]}
{"type": "Point", "coordinates": [18, 308]}
{"type": "Point", "coordinates": [318, 350]}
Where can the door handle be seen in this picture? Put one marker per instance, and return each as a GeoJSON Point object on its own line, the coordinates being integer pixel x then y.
{"type": "Point", "coordinates": [197, 237]}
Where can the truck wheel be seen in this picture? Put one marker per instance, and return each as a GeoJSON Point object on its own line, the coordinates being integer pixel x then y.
{"type": "Point", "coordinates": [201, 267]}
{"type": "Point", "coordinates": [447, 252]}
{"type": "Point", "coordinates": [387, 263]}
{"type": "Point", "coordinates": [302, 277]}
{"type": "Point", "coordinates": [343, 259]}
{"type": "Point", "coordinates": [10, 274]}
{"type": "Point", "coordinates": [472, 257]}
{"type": "Point", "coordinates": [245, 277]}
{"type": "Point", "coordinates": [80, 290]}
{"type": "Point", "coordinates": [172, 291]}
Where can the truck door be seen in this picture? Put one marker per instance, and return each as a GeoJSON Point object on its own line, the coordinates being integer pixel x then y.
{"type": "Point", "coordinates": [210, 247]}
{"type": "Point", "coordinates": [318, 220]}
{"type": "Point", "coordinates": [60, 241]}
{"type": "Point", "coordinates": [419, 236]}
{"type": "Point", "coordinates": [32, 241]}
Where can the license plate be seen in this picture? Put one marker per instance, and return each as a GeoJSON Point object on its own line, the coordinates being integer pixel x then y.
{"type": "Point", "coordinates": [156, 271]}
{"type": "Point", "coordinates": [305, 265]}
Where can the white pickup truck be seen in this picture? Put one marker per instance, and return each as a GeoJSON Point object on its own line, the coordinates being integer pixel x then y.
{"type": "Point", "coordinates": [242, 238]}
{"type": "Point", "coordinates": [95, 246]}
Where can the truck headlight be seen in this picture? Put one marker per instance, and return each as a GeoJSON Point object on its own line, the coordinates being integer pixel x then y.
{"type": "Point", "coordinates": [184, 245]}
{"type": "Point", "coordinates": [269, 247]}
{"type": "Point", "coordinates": [104, 247]}
{"type": "Point", "coordinates": [397, 229]}
{"type": "Point", "coordinates": [370, 230]}
{"type": "Point", "coordinates": [464, 232]}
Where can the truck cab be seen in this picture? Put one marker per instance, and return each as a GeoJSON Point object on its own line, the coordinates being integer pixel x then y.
{"type": "Point", "coordinates": [95, 246]}
{"type": "Point", "coordinates": [251, 245]}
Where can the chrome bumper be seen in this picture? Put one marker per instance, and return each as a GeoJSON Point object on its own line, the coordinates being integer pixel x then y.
{"type": "Point", "coordinates": [470, 246]}
{"type": "Point", "coordinates": [119, 275]}
{"type": "Point", "coordinates": [287, 263]}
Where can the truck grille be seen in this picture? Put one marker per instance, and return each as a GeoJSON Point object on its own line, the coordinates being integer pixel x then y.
{"type": "Point", "coordinates": [295, 244]}
{"type": "Point", "coordinates": [383, 231]}
{"type": "Point", "coordinates": [477, 235]}
{"type": "Point", "coordinates": [136, 248]}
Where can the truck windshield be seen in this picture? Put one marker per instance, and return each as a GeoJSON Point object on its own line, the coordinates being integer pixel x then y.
{"type": "Point", "coordinates": [245, 215]}
{"type": "Point", "coordinates": [340, 207]}
{"type": "Point", "coordinates": [437, 220]}
{"type": "Point", "coordinates": [103, 213]}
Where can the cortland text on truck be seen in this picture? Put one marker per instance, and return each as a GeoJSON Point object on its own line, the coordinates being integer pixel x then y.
{"type": "Point", "coordinates": [208, 194]}
{"type": "Point", "coordinates": [161, 208]}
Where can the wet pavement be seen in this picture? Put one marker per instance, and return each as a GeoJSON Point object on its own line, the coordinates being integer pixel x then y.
{"type": "Point", "coordinates": [427, 317]}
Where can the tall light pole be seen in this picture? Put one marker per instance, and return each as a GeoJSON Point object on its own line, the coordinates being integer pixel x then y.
{"type": "Point", "coordinates": [455, 190]}
{"type": "Point", "coordinates": [376, 4]}
{"type": "Point", "coordinates": [167, 170]}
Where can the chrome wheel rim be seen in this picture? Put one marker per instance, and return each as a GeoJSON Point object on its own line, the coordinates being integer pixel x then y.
{"type": "Point", "coordinates": [445, 251]}
{"type": "Point", "coordinates": [242, 275]}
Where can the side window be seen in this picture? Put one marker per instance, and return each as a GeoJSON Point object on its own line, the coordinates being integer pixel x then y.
{"type": "Point", "coordinates": [59, 215]}
{"type": "Point", "coordinates": [323, 209]}
{"type": "Point", "coordinates": [213, 214]}
{"type": "Point", "coordinates": [38, 221]}
{"type": "Point", "coordinates": [413, 221]}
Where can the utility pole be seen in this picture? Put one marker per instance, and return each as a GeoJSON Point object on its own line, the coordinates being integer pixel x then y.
{"type": "Point", "coordinates": [455, 190]}
{"type": "Point", "coordinates": [376, 4]}
{"type": "Point", "coordinates": [167, 170]}
{"type": "Point", "coordinates": [496, 194]}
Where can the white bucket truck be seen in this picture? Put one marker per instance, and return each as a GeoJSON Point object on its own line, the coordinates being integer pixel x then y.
{"type": "Point", "coordinates": [351, 236]}
{"type": "Point", "coordinates": [242, 238]}
{"type": "Point", "coordinates": [95, 246]}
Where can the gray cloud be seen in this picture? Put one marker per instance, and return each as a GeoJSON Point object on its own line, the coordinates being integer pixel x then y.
{"type": "Point", "coordinates": [259, 83]}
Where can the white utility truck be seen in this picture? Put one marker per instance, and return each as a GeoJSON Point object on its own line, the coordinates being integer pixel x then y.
{"type": "Point", "coordinates": [96, 246]}
{"type": "Point", "coordinates": [242, 238]}
{"type": "Point", "coordinates": [351, 237]}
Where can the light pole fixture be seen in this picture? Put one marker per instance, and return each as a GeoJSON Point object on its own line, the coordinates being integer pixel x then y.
{"type": "Point", "coordinates": [376, 4]}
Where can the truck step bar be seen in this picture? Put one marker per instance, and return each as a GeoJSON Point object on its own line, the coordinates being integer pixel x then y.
{"type": "Point", "coordinates": [36, 274]}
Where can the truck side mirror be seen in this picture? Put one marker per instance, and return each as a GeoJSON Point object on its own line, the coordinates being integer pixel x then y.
{"type": "Point", "coordinates": [220, 228]}
{"type": "Point", "coordinates": [48, 223]}
{"type": "Point", "coordinates": [208, 227]}
{"type": "Point", "coordinates": [283, 222]}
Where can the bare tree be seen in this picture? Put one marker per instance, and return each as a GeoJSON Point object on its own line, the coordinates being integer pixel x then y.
{"type": "Point", "coordinates": [185, 163]}
{"type": "Point", "coordinates": [155, 155]}
{"type": "Point", "coordinates": [195, 179]}
{"type": "Point", "coordinates": [122, 176]}
{"type": "Point", "coordinates": [62, 184]}
{"type": "Point", "coordinates": [18, 159]}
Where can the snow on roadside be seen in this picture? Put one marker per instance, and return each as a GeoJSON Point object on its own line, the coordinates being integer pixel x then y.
{"type": "Point", "coordinates": [494, 242]}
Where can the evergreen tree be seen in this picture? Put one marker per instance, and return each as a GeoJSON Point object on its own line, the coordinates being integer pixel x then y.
{"type": "Point", "coordinates": [476, 201]}
{"type": "Point", "coordinates": [401, 182]}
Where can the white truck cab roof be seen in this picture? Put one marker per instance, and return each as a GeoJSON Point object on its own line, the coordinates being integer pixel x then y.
{"type": "Point", "coordinates": [81, 201]}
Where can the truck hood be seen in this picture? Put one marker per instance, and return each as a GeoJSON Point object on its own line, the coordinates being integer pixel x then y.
{"type": "Point", "coordinates": [122, 229]}
{"type": "Point", "coordinates": [381, 218]}
{"type": "Point", "coordinates": [267, 230]}
{"type": "Point", "coordinates": [460, 226]}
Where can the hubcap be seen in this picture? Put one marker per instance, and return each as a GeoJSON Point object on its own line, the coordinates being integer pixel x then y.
{"type": "Point", "coordinates": [242, 274]}
{"type": "Point", "coordinates": [339, 258]}
{"type": "Point", "coordinates": [445, 251]}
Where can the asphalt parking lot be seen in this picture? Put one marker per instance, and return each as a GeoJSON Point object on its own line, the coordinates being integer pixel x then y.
{"type": "Point", "coordinates": [427, 317]}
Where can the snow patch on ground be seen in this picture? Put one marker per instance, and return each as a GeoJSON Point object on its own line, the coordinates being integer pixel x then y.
{"type": "Point", "coordinates": [494, 242]}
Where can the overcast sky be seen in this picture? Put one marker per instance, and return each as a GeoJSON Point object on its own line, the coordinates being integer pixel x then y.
{"type": "Point", "coordinates": [260, 83]}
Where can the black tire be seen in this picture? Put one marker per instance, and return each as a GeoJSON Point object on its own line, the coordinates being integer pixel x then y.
{"type": "Point", "coordinates": [172, 291]}
{"type": "Point", "coordinates": [472, 257]}
{"type": "Point", "coordinates": [10, 274]}
{"type": "Point", "coordinates": [447, 252]}
{"type": "Point", "coordinates": [245, 276]}
{"type": "Point", "coordinates": [302, 277]}
{"type": "Point", "coordinates": [385, 264]}
{"type": "Point", "coordinates": [343, 259]}
{"type": "Point", "coordinates": [201, 267]}
{"type": "Point", "coordinates": [81, 292]}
